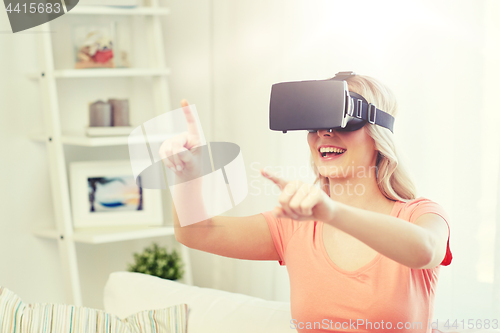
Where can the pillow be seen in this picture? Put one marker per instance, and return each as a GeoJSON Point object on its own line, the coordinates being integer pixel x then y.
{"type": "Point", "coordinates": [17, 317]}
{"type": "Point", "coordinates": [210, 310]}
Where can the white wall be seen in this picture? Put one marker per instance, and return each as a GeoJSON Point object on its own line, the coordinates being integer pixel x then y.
{"type": "Point", "coordinates": [29, 266]}
{"type": "Point", "coordinates": [432, 54]}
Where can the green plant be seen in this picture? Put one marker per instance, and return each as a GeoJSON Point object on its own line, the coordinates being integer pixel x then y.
{"type": "Point", "coordinates": [155, 260]}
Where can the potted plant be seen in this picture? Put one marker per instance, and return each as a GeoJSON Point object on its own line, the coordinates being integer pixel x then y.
{"type": "Point", "coordinates": [157, 261]}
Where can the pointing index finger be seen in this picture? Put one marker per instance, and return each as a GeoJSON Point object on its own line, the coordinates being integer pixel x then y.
{"type": "Point", "coordinates": [278, 181]}
{"type": "Point", "coordinates": [190, 119]}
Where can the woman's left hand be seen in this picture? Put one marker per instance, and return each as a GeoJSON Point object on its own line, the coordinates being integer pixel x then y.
{"type": "Point", "coordinates": [302, 202]}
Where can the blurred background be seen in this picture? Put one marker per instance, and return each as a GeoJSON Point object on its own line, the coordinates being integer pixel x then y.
{"type": "Point", "coordinates": [439, 57]}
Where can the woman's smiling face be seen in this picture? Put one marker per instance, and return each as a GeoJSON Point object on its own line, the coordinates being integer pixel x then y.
{"type": "Point", "coordinates": [342, 154]}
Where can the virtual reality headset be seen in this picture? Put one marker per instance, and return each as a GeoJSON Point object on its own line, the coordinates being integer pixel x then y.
{"type": "Point", "coordinates": [322, 105]}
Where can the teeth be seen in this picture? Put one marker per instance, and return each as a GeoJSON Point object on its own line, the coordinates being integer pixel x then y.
{"type": "Point", "coordinates": [331, 150]}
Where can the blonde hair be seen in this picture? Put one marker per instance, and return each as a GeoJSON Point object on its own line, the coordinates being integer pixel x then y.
{"type": "Point", "coordinates": [393, 180]}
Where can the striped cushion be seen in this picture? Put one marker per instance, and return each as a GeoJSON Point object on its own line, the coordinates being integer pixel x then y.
{"type": "Point", "coordinates": [17, 317]}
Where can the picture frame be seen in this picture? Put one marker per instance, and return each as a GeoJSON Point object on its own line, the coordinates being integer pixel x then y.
{"type": "Point", "coordinates": [105, 194]}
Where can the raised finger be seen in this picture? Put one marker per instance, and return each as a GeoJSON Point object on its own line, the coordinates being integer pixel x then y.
{"type": "Point", "coordinates": [190, 119]}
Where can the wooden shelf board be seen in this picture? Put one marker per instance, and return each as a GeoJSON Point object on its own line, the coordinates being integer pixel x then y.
{"type": "Point", "coordinates": [85, 141]}
{"type": "Point", "coordinates": [110, 72]}
{"type": "Point", "coordinates": [81, 140]}
{"type": "Point", "coordinates": [109, 10]}
{"type": "Point", "coordinates": [102, 72]}
{"type": "Point", "coordinates": [94, 141]}
{"type": "Point", "coordinates": [109, 235]}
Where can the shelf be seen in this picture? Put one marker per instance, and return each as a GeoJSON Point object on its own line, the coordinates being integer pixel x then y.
{"type": "Point", "coordinates": [104, 72]}
{"type": "Point", "coordinates": [104, 10]}
{"type": "Point", "coordinates": [94, 142]}
{"type": "Point", "coordinates": [85, 141]}
{"type": "Point", "coordinates": [76, 140]}
{"type": "Point", "coordinates": [108, 235]}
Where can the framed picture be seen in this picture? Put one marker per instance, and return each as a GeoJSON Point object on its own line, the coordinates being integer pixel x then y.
{"type": "Point", "coordinates": [105, 194]}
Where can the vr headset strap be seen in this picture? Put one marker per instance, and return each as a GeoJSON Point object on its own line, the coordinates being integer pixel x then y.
{"type": "Point", "coordinates": [362, 110]}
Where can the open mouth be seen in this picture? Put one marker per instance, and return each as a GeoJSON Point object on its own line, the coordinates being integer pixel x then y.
{"type": "Point", "coordinates": [331, 151]}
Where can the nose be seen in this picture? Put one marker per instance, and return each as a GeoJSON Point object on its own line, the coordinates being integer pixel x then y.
{"type": "Point", "coordinates": [325, 133]}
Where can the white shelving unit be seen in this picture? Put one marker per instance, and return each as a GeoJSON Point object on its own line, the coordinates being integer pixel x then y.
{"type": "Point", "coordinates": [55, 140]}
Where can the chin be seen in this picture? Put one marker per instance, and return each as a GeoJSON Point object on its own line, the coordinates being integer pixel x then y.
{"type": "Point", "coordinates": [329, 171]}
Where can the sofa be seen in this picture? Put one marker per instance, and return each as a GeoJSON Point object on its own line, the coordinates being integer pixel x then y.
{"type": "Point", "coordinates": [138, 303]}
{"type": "Point", "coordinates": [208, 310]}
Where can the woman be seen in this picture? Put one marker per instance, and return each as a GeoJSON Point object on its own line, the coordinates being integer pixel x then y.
{"type": "Point", "coordinates": [362, 252]}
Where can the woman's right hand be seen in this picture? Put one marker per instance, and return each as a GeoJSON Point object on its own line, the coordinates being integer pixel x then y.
{"type": "Point", "coordinates": [177, 152]}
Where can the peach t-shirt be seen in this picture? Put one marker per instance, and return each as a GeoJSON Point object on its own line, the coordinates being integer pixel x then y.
{"type": "Point", "coordinates": [326, 298]}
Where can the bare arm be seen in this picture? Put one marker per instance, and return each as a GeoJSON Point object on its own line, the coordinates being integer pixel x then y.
{"type": "Point", "coordinates": [417, 245]}
{"type": "Point", "coordinates": [235, 237]}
